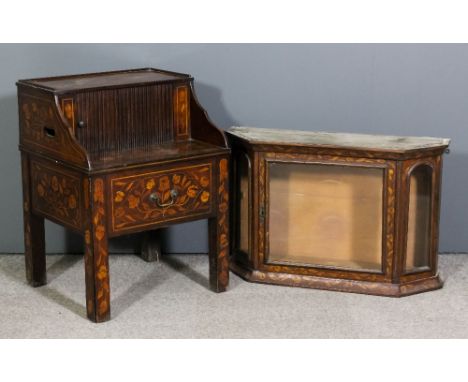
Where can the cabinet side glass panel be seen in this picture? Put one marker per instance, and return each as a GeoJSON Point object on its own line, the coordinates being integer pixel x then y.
{"type": "Point", "coordinates": [419, 219]}
{"type": "Point", "coordinates": [325, 215]}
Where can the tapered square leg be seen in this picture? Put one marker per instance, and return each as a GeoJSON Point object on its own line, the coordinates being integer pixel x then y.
{"type": "Point", "coordinates": [34, 250]}
{"type": "Point", "coordinates": [34, 241]}
{"type": "Point", "coordinates": [218, 228]}
{"type": "Point", "coordinates": [97, 257]}
{"type": "Point", "coordinates": [151, 246]}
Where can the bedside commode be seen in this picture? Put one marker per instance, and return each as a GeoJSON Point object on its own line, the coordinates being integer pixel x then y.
{"type": "Point", "coordinates": [107, 154]}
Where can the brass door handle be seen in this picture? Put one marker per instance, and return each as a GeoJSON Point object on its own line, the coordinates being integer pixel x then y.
{"type": "Point", "coordinates": [154, 197]}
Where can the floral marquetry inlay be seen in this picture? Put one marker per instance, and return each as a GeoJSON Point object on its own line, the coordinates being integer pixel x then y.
{"type": "Point", "coordinates": [165, 195]}
{"type": "Point", "coordinates": [43, 129]}
{"type": "Point", "coordinates": [56, 194]}
{"type": "Point", "coordinates": [40, 124]}
{"type": "Point", "coordinates": [96, 257]}
{"type": "Point", "coordinates": [223, 223]}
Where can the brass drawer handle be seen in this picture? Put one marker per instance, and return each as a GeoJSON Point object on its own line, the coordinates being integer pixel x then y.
{"type": "Point", "coordinates": [154, 197]}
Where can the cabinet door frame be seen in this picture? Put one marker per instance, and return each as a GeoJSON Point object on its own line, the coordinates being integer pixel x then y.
{"type": "Point", "coordinates": [435, 163]}
{"type": "Point", "coordinates": [388, 215]}
{"type": "Point", "coordinates": [240, 255]}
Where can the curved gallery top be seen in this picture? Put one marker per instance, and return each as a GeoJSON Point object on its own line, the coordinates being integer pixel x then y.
{"type": "Point", "coordinates": [119, 79]}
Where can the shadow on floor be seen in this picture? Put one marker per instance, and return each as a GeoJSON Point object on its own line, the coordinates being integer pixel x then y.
{"type": "Point", "coordinates": [144, 286]}
{"type": "Point", "coordinates": [54, 271]}
{"type": "Point", "coordinates": [135, 292]}
{"type": "Point", "coordinates": [138, 290]}
{"type": "Point", "coordinates": [62, 300]}
{"type": "Point", "coordinates": [186, 270]}
{"type": "Point", "coordinates": [61, 266]}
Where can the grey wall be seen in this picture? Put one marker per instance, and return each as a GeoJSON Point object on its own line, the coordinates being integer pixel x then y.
{"type": "Point", "coordinates": [390, 89]}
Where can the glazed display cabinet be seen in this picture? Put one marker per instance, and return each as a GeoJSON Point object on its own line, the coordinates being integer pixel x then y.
{"type": "Point", "coordinates": [345, 212]}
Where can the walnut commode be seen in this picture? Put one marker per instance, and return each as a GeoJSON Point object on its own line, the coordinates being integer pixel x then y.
{"type": "Point", "coordinates": [107, 154]}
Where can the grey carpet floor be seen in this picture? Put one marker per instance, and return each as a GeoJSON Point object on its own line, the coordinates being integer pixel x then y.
{"type": "Point", "coordinates": [171, 299]}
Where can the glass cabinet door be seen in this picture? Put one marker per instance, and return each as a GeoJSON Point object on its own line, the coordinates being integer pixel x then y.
{"type": "Point", "coordinates": [419, 219]}
{"type": "Point", "coordinates": [325, 215]}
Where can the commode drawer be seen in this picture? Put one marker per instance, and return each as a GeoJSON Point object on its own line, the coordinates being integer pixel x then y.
{"type": "Point", "coordinates": [156, 197]}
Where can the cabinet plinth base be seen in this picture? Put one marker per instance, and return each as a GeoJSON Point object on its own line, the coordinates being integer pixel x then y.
{"type": "Point", "coordinates": [340, 285]}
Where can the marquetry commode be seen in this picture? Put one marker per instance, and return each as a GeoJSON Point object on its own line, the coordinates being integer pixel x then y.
{"type": "Point", "coordinates": [346, 212]}
{"type": "Point", "coordinates": [107, 154]}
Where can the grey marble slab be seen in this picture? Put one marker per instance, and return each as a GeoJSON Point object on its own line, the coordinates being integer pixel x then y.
{"type": "Point", "coordinates": [348, 140]}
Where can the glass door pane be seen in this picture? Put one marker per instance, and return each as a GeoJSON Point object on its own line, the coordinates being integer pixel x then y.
{"type": "Point", "coordinates": [327, 215]}
{"type": "Point", "coordinates": [419, 219]}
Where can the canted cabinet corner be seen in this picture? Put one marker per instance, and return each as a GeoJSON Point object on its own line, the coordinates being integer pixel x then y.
{"type": "Point", "coordinates": [345, 212]}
